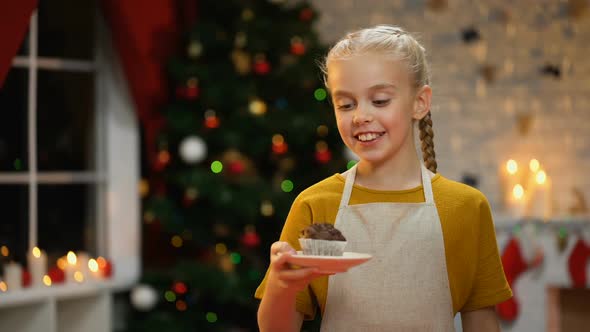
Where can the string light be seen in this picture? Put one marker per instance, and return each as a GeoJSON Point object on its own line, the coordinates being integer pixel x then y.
{"type": "Point", "coordinates": [322, 130]}
{"type": "Point", "coordinates": [170, 296]}
{"type": "Point", "coordinates": [211, 317]}
{"type": "Point", "coordinates": [287, 186]}
{"type": "Point", "coordinates": [176, 241]}
{"type": "Point", "coordinates": [266, 209]}
{"type": "Point", "coordinates": [235, 258]}
{"type": "Point", "coordinates": [216, 166]}
{"type": "Point", "coordinates": [47, 280]}
{"type": "Point", "coordinates": [180, 288]}
{"type": "Point", "coordinates": [93, 265]}
{"type": "Point", "coordinates": [180, 305]}
{"type": "Point", "coordinates": [220, 249]}
{"type": "Point", "coordinates": [61, 263]}
{"type": "Point", "coordinates": [4, 251]}
{"type": "Point", "coordinates": [257, 107]}
{"type": "Point", "coordinates": [534, 165]}
{"type": "Point", "coordinates": [320, 94]}
{"type": "Point", "coordinates": [144, 188]}
{"type": "Point", "coordinates": [511, 166]}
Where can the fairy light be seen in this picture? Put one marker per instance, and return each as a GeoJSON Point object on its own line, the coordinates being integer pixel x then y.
{"type": "Point", "coordinates": [518, 192]}
{"type": "Point", "coordinates": [220, 249]}
{"type": "Point", "coordinates": [216, 166]}
{"type": "Point", "coordinates": [541, 177]}
{"type": "Point", "coordinates": [93, 265]}
{"type": "Point", "coordinates": [211, 317]}
{"type": "Point", "coordinates": [287, 186]}
{"type": "Point", "coordinates": [47, 280]}
{"type": "Point", "coordinates": [320, 94]}
{"type": "Point", "coordinates": [4, 251]}
{"type": "Point", "coordinates": [511, 166]}
{"type": "Point", "coordinates": [72, 259]}
{"type": "Point", "coordinates": [534, 165]}
{"type": "Point", "coordinates": [3, 286]}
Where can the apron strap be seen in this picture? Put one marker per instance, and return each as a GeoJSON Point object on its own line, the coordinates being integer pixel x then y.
{"type": "Point", "coordinates": [426, 184]}
{"type": "Point", "coordinates": [348, 187]}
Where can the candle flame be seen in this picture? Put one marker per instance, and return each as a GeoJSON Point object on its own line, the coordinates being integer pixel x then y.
{"type": "Point", "coordinates": [102, 263]}
{"type": "Point", "coordinates": [61, 263]}
{"type": "Point", "coordinates": [4, 251]}
{"type": "Point", "coordinates": [518, 191]}
{"type": "Point", "coordinates": [3, 286]}
{"type": "Point", "coordinates": [534, 165]}
{"type": "Point", "coordinates": [93, 265]}
{"type": "Point", "coordinates": [511, 166]}
{"type": "Point", "coordinates": [541, 177]}
{"type": "Point", "coordinates": [72, 259]}
{"type": "Point", "coordinates": [36, 252]}
{"type": "Point", "coordinates": [47, 280]}
{"type": "Point", "coordinates": [78, 276]}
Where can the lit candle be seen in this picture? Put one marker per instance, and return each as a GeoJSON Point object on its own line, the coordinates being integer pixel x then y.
{"type": "Point", "coordinates": [70, 266]}
{"type": "Point", "coordinates": [82, 266]}
{"type": "Point", "coordinates": [508, 179]}
{"type": "Point", "coordinates": [37, 261]}
{"type": "Point", "coordinates": [13, 276]}
{"type": "Point", "coordinates": [94, 271]}
{"type": "Point", "coordinates": [517, 202]}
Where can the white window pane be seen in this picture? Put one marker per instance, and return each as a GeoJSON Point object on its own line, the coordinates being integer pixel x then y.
{"type": "Point", "coordinates": [65, 121]}
{"type": "Point", "coordinates": [13, 127]}
{"type": "Point", "coordinates": [65, 219]}
{"type": "Point", "coordinates": [66, 28]}
{"type": "Point", "coordinates": [14, 227]}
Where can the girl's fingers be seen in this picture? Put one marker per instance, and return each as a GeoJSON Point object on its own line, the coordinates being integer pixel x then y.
{"type": "Point", "coordinates": [281, 247]}
{"type": "Point", "coordinates": [298, 274]}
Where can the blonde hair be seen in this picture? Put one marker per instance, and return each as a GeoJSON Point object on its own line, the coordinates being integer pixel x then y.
{"type": "Point", "coordinates": [391, 41]}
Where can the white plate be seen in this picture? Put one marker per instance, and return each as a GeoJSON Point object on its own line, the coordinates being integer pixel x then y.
{"type": "Point", "coordinates": [330, 264]}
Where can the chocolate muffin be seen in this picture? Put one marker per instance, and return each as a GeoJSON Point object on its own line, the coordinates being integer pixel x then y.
{"type": "Point", "coordinates": [322, 239]}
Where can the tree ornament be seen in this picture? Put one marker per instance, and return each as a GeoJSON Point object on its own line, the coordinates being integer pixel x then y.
{"type": "Point", "coordinates": [211, 119]}
{"type": "Point", "coordinates": [261, 65]}
{"type": "Point", "coordinates": [195, 49]}
{"type": "Point", "coordinates": [193, 149]}
{"type": "Point", "coordinates": [242, 62]}
{"type": "Point", "coordinates": [143, 297]}
{"type": "Point", "coordinates": [266, 208]}
{"type": "Point", "coordinates": [279, 146]}
{"type": "Point", "coordinates": [257, 107]}
{"type": "Point", "coordinates": [250, 238]}
{"type": "Point", "coordinates": [297, 46]}
{"type": "Point", "coordinates": [190, 90]}
{"type": "Point", "coordinates": [179, 288]}
{"type": "Point", "coordinates": [306, 14]}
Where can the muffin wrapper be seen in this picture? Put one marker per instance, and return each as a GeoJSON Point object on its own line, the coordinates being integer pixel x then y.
{"type": "Point", "coordinates": [322, 247]}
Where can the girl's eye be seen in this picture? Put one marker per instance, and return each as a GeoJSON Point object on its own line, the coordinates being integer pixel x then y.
{"type": "Point", "coordinates": [345, 107]}
{"type": "Point", "coordinates": [381, 102]}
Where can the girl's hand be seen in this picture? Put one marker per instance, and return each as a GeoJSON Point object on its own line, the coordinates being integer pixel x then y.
{"type": "Point", "coordinates": [282, 275]}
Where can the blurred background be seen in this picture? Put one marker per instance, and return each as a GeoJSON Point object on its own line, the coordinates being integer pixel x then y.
{"type": "Point", "coordinates": [150, 152]}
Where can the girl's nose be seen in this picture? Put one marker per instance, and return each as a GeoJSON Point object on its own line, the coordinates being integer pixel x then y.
{"type": "Point", "coordinates": [361, 115]}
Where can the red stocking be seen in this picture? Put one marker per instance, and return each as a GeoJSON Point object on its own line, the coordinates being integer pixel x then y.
{"type": "Point", "coordinates": [514, 265]}
{"type": "Point", "coordinates": [577, 263]}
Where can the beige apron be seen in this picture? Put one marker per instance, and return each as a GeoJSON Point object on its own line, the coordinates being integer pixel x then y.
{"type": "Point", "coordinates": [405, 286]}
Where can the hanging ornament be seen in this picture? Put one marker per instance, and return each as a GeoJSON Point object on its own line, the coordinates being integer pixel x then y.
{"type": "Point", "coordinates": [242, 62]}
{"type": "Point", "coordinates": [278, 144]}
{"type": "Point", "coordinates": [162, 160]}
{"type": "Point", "coordinates": [241, 39]}
{"type": "Point", "coordinates": [266, 208]}
{"type": "Point", "coordinates": [297, 46]}
{"type": "Point", "coordinates": [211, 119]}
{"type": "Point", "coordinates": [194, 49]}
{"type": "Point", "coordinates": [190, 90]}
{"type": "Point", "coordinates": [193, 149]}
{"type": "Point", "coordinates": [190, 196]}
{"type": "Point", "coordinates": [143, 297]}
{"type": "Point", "coordinates": [261, 65]}
{"type": "Point", "coordinates": [250, 238]}
{"type": "Point", "coordinates": [306, 14]}
{"type": "Point", "coordinates": [322, 153]}
{"type": "Point", "coordinates": [257, 107]}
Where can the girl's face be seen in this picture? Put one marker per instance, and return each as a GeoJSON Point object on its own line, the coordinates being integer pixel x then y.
{"type": "Point", "coordinates": [375, 102]}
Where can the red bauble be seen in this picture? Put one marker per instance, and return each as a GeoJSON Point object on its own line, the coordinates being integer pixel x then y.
{"type": "Point", "coordinates": [261, 67]}
{"type": "Point", "coordinates": [323, 156]}
{"type": "Point", "coordinates": [250, 239]}
{"type": "Point", "coordinates": [56, 275]}
{"type": "Point", "coordinates": [212, 122]}
{"type": "Point", "coordinates": [298, 48]}
{"type": "Point", "coordinates": [306, 14]}
{"type": "Point", "coordinates": [237, 167]}
{"type": "Point", "coordinates": [179, 288]}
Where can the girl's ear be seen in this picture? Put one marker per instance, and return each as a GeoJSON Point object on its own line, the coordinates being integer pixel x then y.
{"type": "Point", "coordinates": [422, 102]}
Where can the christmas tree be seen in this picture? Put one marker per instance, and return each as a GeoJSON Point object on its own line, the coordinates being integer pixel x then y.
{"type": "Point", "coordinates": [249, 127]}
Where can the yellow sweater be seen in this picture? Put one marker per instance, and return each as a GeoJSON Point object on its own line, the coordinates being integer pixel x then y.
{"type": "Point", "coordinates": [476, 276]}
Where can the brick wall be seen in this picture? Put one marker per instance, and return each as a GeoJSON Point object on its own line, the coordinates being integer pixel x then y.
{"type": "Point", "coordinates": [474, 121]}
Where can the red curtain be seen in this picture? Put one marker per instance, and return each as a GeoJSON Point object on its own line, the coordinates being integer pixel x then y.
{"type": "Point", "coordinates": [144, 35]}
{"type": "Point", "coordinates": [14, 21]}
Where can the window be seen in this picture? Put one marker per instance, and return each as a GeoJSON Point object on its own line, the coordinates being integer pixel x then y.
{"type": "Point", "coordinates": [69, 158]}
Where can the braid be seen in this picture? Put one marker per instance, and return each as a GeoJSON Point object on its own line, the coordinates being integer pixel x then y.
{"type": "Point", "coordinates": [426, 136]}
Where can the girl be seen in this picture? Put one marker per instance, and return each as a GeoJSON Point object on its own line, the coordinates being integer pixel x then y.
{"type": "Point", "coordinates": [432, 239]}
